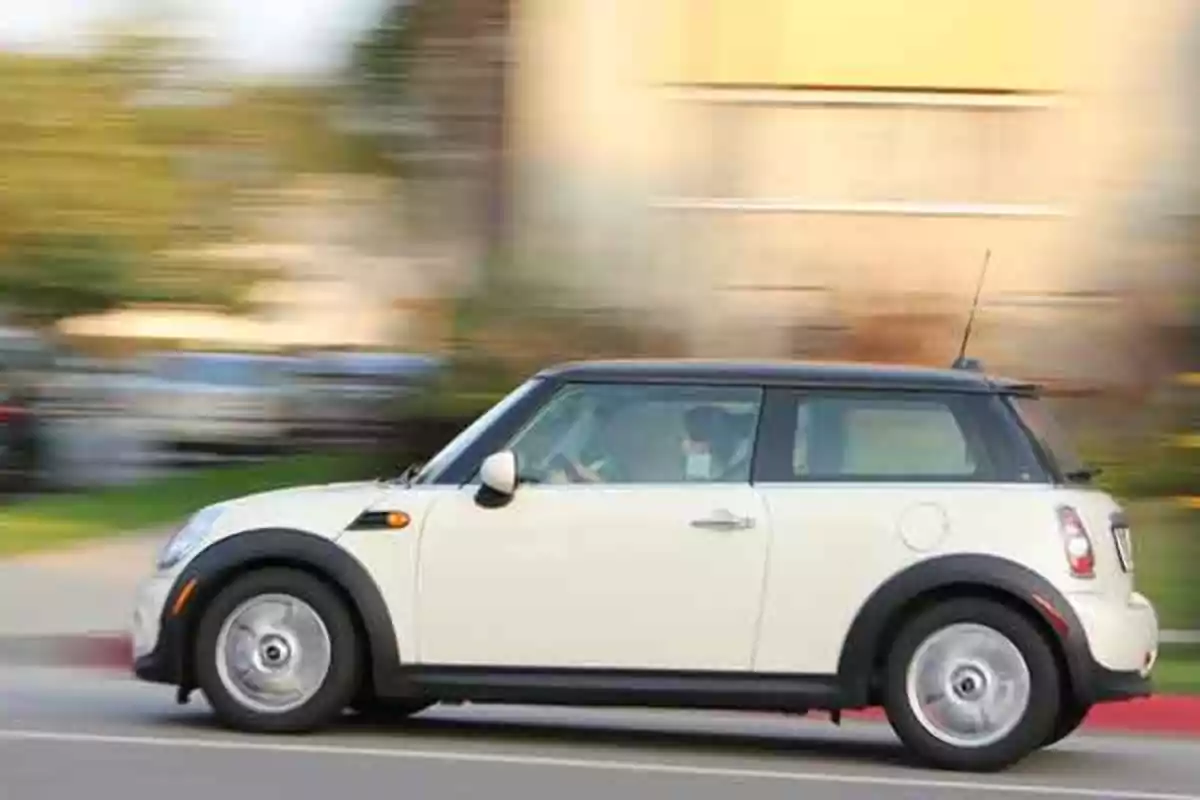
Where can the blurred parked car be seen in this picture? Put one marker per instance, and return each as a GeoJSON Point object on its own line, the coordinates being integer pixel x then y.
{"type": "Point", "coordinates": [347, 395]}
{"type": "Point", "coordinates": [25, 357]}
{"type": "Point", "coordinates": [20, 436]}
{"type": "Point", "coordinates": [218, 402]}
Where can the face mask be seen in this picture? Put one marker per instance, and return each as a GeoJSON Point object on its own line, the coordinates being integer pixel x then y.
{"type": "Point", "coordinates": [699, 465]}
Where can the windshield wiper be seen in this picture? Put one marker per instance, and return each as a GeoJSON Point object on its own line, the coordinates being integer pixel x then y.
{"type": "Point", "coordinates": [410, 472]}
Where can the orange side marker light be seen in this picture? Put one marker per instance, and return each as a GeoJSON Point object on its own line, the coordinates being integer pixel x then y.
{"type": "Point", "coordinates": [185, 594]}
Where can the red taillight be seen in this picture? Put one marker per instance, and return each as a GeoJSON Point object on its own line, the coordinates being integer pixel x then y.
{"type": "Point", "coordinates": [1081, 557]}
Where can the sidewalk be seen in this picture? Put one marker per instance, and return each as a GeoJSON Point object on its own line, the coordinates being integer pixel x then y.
{"type": "Point", "coordinates": [84, 589]}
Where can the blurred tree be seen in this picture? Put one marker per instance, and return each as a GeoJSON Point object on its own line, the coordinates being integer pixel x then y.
{"type": "Point", "coordinates": [62, 275]}
{"type": "Point", "coordinates": [115, 165]}
{"type": "Point", "coordinates": [428, 86]}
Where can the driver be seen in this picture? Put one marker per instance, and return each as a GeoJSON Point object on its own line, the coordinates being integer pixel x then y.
{"type": "Point", "coordinates": [710, 443]}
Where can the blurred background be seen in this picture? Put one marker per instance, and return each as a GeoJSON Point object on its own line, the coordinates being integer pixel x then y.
{"type": "Point", "coordinates": [317, 236]}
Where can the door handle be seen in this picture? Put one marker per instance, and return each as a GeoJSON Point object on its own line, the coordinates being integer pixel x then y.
{"type": "Point", "coordinates": [723, 521]}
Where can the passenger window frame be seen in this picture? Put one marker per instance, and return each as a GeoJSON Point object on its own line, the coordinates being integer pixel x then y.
{"type": "Point", "coordinates": [980, 416]}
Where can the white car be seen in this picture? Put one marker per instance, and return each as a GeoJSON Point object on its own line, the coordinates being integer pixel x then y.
{"type": "Point", "coordinates": [770, 537]}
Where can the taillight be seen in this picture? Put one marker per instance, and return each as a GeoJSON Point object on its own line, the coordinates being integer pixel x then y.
{"type": "Point", "coordinates": [1081, 557]}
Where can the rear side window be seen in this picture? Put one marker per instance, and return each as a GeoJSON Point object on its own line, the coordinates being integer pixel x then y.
{"type": "Point", "coordinates": [882, 436]}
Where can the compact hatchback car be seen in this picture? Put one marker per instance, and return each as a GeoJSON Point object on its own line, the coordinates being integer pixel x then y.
{"type": "Point", "coordinates": [771, 537]}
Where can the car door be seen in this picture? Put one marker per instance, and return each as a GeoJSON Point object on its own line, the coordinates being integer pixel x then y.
{"type": "Point", "coordinates": [618, 548]}
{"type": "Point", "coordinates": [860, 485]}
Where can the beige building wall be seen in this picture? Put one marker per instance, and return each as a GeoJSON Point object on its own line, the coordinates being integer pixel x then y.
{"type": "Point", "coordinates": [742, 167]}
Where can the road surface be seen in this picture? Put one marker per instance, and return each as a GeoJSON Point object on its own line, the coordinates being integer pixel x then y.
{"type": "Point", "coordinates": [86, 735]}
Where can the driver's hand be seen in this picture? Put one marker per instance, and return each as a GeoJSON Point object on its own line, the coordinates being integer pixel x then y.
{"type": "Point", "coordinates": [579, 473]}
{"type": "Point", "coordinates": [589, 474]}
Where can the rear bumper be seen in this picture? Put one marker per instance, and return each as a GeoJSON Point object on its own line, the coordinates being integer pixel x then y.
{"type": "Point", "coordinates": [1121, 638]}
{"type": "Point", "coordinates": [1109, 686]}
{"type": "Point", "coordinates": [1119, 646]}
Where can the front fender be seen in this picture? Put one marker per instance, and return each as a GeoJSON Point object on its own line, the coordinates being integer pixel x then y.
{"type": "Point", "coordinates": [214, 567]}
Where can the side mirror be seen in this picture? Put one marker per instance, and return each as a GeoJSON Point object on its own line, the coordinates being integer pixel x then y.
{"type": "Point", "coordinates": [498, 472]}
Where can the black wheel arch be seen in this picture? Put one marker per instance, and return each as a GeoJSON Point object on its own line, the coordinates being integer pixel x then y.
{"type": "Point", "coordinates": [223, 561]}
{"type": "Point", "coordinates": [948, 577]}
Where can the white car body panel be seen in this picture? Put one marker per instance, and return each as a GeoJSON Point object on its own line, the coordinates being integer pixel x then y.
{"type": "Point", "coordinates": [391, 557]}
{"type": "Point", "coordinates": [836, 543]}
{"type": "Point", "coordinates": [616, 577]}
{"type": "Point", "coordinates": [323, 511]}
{"type": "Point", "coordinates": [592, 576]}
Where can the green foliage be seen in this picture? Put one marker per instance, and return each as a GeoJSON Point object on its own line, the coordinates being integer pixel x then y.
{"type": "Point", "coordinates": [106, 177]}
{"type": "Point", "coordinates": [63, 275]}
{"type": "Point", "coordinates": [57, 520]}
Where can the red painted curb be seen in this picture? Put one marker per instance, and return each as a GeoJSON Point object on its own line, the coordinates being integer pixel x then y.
{"type": "Point", "coordinates": [100, 651]}
{"type": "Point", "coordinates": [1177, 715]}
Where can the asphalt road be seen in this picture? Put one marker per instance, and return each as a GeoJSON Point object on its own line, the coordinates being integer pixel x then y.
{"type": "Point", "coordinates": [70, 734]}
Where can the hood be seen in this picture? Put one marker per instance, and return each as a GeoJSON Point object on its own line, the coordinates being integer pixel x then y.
{"type": "Point", "coordinates": [321, 509]}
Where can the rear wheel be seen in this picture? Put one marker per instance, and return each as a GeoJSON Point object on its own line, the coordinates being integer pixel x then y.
{"type": "Point", "coordinates": [276, 651]}
{"type": "Point", "coordinates": [971, 685]}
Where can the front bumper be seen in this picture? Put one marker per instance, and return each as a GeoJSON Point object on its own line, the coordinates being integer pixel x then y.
{"type": "Point", "coordinates": [156, 655]}
{"type": "Point", "coordinates": [149, 603]}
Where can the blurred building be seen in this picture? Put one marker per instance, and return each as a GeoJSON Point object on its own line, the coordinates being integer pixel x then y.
{"type": "Point", "coordinates": [763, 173]}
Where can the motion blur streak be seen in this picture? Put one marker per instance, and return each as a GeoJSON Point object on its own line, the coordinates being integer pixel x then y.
{"type": "Point", "coordinates": [321, 237]}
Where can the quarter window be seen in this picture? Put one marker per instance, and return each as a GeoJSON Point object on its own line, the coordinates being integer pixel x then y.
{"type": "Point", "coordinates": [860, 436]}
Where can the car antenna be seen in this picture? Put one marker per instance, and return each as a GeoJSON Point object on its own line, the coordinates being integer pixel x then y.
{"type": "Point", "coordinates": [962, 362]}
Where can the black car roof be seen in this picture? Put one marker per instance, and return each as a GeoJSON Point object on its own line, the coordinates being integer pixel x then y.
{"type": "Point", "coordinates": [848, 375]}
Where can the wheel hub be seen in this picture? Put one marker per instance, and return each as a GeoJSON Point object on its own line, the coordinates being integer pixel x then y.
{"type": "Point", "coordinates": [273, 653]}
{"type": "Point", "coordinates": [968, 685]}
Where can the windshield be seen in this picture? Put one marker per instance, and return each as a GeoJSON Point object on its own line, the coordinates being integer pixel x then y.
{"type": "Point", "coordinates": [1051, 436]}
{"type": "Point", "coordinates": [459, 443]}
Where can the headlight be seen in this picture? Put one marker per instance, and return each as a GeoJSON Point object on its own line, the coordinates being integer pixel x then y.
{"type": "Point", "coordinates": [188, 537]}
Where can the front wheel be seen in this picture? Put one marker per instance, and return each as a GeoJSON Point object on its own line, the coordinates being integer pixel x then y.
{"type": "Point", "coordinates": [971, 685]}
{"type": "Point", "coordinates": [277, 651]}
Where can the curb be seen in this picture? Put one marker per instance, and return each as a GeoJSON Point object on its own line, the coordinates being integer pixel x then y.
{"type": "Point", "coordinates": [88, 651]}
{"type": "Point", "coordinates": [1175, 715]}
{"type": "Point", "coordinates": [1168, 715]}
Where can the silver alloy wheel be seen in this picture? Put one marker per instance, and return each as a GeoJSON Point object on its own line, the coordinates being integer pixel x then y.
{"type": "Point", "coordinates": [968, 685]}
{"type": "Point", "coordinates": [273, 653]}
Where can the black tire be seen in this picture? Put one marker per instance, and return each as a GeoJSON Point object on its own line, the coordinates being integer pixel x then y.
{"type": "Point", "coordinates": [387, 710]}
{"type": "Point", "coordinates": [1070, 717]}
{"type": "Point", "coordinates": [341, 681]}
{"type": "Point", "coordinates": [1033, 728]}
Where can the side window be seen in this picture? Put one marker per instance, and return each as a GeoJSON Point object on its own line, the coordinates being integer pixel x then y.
{"type": "Point", "coordinates": [851, 436]}
{"type": "Point", "coordinates": [641, 433]}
